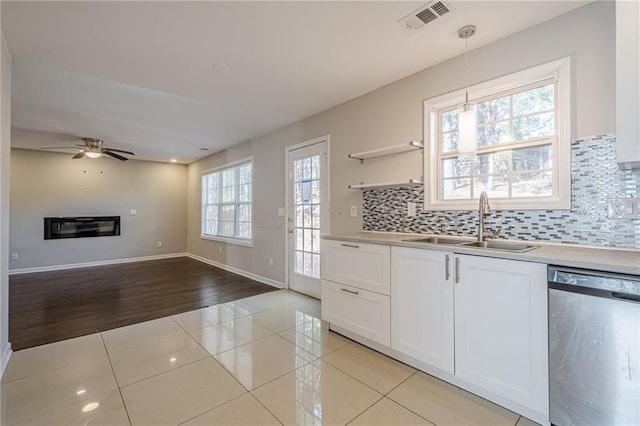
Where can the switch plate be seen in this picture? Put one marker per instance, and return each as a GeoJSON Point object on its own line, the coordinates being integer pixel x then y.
{"type": "Point", "coordinates": [14, 256]}
{"type": "Point", "coordinates": [411, 209]}
{"type": "Point", "coordinates": [271, 261]}
{"type": "Point", "coordinates": [354, 211]}
{"type": "Point", "coordinates": [133, 212]}
{"type": "Point", "coordinates": [159, 244]}
{"type": "Point", "coordinates": [624, 208]}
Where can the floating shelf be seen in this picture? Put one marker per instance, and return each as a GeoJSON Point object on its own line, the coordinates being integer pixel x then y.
{"type": "Point", "coordinates": [383, 184]}
{"type": "Point", "coordinates": [396, 149]}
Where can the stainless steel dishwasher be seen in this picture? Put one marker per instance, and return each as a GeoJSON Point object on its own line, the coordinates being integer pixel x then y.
{"type": "Point", "coordinates": [594, 348]}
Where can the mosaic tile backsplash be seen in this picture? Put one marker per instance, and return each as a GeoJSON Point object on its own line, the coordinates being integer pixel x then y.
{"type": "Point", "coordinates": [595, 178]}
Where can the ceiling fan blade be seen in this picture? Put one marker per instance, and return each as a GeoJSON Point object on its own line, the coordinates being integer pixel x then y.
{"type": "Point", "coordinates": [114, 155]}
{"type": "Point", "coordinates": [78, 155]}
{"type": "Point", "coordinates": [61, 147]}
{"type": "Point", "coordinates": [118, 150]}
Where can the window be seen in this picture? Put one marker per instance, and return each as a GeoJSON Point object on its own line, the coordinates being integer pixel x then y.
{"type": "Point", "coordinates": [226, 203]}
{"type": "Point", "coordinates": [523, 144]}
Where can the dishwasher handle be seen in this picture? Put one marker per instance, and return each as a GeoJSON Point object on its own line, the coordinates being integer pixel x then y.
{"type": "Point", "coordinates": [623, 285]}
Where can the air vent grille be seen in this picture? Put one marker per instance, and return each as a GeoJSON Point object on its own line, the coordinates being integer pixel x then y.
{"type": "Point", "coordinates": [440, 8]}
{"type": "Point", "coordinates": [426, 16]}
{"type": "Point", "coordinates": [427, 13]}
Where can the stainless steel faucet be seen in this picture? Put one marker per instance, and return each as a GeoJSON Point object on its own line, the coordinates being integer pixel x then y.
{"type": "Point", "coordinates": [484, 210]}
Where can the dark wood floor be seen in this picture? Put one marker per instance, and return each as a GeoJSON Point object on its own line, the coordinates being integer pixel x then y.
{"type": "Point", "coordinates": [49, 306]}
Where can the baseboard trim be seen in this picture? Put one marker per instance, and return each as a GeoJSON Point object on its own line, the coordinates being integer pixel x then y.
{"type": "Point", "coordinates": [5, 359]}
{"type": "Point", "coordinates": [238, 271]}
{"type": "Point", "coordinates": [97, 263]}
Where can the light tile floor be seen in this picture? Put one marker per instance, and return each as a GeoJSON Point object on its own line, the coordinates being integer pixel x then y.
{"type": "Point", "coordinates": [263, 360]}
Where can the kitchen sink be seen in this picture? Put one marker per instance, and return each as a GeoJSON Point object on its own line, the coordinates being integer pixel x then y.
{"type": "Point", "coordinates": [496, 245]}
{"type": "Point", "coordinates": [437, 240]}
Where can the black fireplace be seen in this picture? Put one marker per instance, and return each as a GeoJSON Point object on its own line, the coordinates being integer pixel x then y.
{"type": "Point", "coordinates": [81, 227]}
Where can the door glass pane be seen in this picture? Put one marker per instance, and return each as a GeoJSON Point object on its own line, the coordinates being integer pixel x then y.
{"type": "Point", "coordinates": [307, 216]}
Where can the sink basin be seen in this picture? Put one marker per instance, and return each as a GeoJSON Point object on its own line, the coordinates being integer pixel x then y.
{"type": "Point", "coordinates": [437, 240]}
{"type": "Point", "coordinates": [496, 245]}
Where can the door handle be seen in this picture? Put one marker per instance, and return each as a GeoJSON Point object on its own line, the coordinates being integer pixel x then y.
{"type": "Point", "coordinates": [457, 270]}
{"type": "Point", "coordinates": [289, 230]}
{"type": "Point", "coordinates": [446, 268]}
{"type": "Point", "coordinates": [350, 245]}
{"type": "Point", "coordinates": [349, 291]}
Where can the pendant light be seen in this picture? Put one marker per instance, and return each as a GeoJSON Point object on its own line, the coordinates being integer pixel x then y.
{"type": "Point", "coordinates": [467, 119]}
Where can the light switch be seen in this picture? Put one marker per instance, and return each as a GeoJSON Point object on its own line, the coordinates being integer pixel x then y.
{"type": "Point", "coordinates": [133, 212]}
{"type": "Point", "coordinates": [354, 211]}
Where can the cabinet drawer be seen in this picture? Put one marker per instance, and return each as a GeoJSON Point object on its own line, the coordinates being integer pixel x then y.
{"type": "Point", "coordinates": [366, 266]}
{"type": "Point", "coordinates": [359, 311]}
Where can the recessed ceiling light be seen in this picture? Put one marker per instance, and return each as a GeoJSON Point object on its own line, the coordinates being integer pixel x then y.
{"type": "Point", "coordinates": [204, 149]}
{"type": "Point", "coordinates": [173, 160]}
{"type": "Point", "coordinates": [221, 67]}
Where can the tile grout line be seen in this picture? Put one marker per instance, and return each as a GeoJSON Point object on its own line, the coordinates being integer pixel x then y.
{"type": "Point", "coordinates": [115, 377]}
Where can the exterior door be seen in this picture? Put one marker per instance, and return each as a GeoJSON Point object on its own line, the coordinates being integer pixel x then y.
{"type": "Point", "coordinates": [307, 215]}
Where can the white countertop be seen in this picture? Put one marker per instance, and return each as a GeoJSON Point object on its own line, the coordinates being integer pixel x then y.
{"type": "Point", "coordinates": [623, 261]}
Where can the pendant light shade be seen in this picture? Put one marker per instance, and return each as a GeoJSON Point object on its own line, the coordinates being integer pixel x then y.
{"type": "Point", "coordinates": [467, 118]}
{"type": "Point", "coordinates": [467, 125]}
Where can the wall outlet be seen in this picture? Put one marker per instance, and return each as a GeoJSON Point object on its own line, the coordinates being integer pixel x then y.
{"type": "Point", "coordinates": [219, 249]}
{"type": "Point", "coordinates": [14, 256]}
{"type": "Point", "coordinates": [271, 261]}
{"type": "Point", "coordinates": [354, 211]}
{"type": "Point", "coordinates": [159, 244]}
{"type": "Point", "coordinates": [411, 209]}
{"type": "Point", "coordinates": [624, 208]}
{"type": "Point", "coordinates": [133, 212]}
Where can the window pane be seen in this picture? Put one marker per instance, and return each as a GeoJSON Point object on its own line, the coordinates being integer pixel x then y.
{"type": "Point", "coordinates": [492, 134]}
{"type": "Point", "coordinates": [307, 217]}
{"type": "Point", "coordinates": [315, 192]}
{"type": "Point", "coordinates": [228, 213]}
{"type": "Point", "coordinates": [315, 217]}
{"type": "Point", "coordinates": [534, 158]}
{"type": "Point", "coordinates": [495, 186]}
{"type": "Point", "coordinates": [298, 191]}
{"type": "Point", "coordinates": [244, 213]}
{"type": "Point", "coordinates": [534, 100]}
{"type": "Point", "coordinates": [297, 176]}
{"type": "Point", "coordinates": [533, 126]}
{"type": "Point", "coordinates": [454, 189]}
{"type": "Point", "coordinates": [307, 240]}
{"type": "Point", "coordinates": [532, 184]}
{"type": "Point", "coordinates": [306, 169]}
{"type": "Point", "coordinates": [494, 110]}
{"type": "Point", "coordinates": [244, 173]}
{"type": "Point", "coordinates": [450, 120]}
{"type": "Point", "coordinates": [228, 194]}
{"type": "Point", "coordinates": [299, 216]}
{"type": "Point", "coordinates": [244, 230]}
{"type": "Point", "coordinates": [450, 142]}
{"type": "Point", "coordinates": [492, 163]}
{"type": "Point", "coordinates": [306, 191]}
{"type": "Point", "coordinates": [299, 239]}
{"type": "Point", "coordinates": [299, 262]}
{"type": "Point", "coordinates": [315, 167]}
{"type": "Point", "coordinates": [226, 228]}
{"type": "Point", "coordinates": [244, 193]}
{"type": "Point", "coordinates": [453, 167]}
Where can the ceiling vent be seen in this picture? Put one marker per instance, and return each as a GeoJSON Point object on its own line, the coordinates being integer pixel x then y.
{"type": "Point", "coordinates": [427, 13]}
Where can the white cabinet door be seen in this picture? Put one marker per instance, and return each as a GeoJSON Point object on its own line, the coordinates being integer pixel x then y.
{"type": "Point", "coordinates": [422, 305]}
{"type": "Point", "coordinates": [628, 83]}
{"type": "Point", "coordinates": [359, 265]}
{"type": "Point", "coordinates": [359, 311]}
{"type": "Point", "coordinates": [501, 328]}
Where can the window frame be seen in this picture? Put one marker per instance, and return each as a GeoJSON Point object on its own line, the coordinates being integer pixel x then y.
{"type": "Point", "coordinates": [560, 72]}
{"type": "Point", "coordinates": [248, 242]}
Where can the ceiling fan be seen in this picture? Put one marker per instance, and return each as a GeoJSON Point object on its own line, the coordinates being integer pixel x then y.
{"type": "Point", "coordinates": [92, 148]}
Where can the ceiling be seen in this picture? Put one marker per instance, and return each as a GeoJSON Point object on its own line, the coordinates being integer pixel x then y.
{"type": "Point", "coordinates": [141, 76]}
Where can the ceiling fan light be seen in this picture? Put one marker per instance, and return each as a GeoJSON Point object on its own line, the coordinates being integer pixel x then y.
{"type": "Point", "coordinates": [93, 154]}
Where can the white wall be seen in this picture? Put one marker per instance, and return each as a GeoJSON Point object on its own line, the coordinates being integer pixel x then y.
{"type": "Point", "coordinates": [46, 184]}
{"type": "Point", "coordinates": [393, 114]}
{"type": "Point", "coordinates": [5, 153]}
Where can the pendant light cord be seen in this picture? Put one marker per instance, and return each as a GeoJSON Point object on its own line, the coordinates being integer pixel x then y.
{"type": "Point", "coordinates": [466, 71]}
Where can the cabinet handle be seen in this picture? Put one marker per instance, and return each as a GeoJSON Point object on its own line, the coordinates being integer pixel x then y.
{"type": "Point", "coordinates": [349, 245]}
{"type": "Point", "coordinates": [446, 268]}
{"type": "Point", "coordinates": [349, 291]}
{"type": "Point", "coordinates": [457, 270]}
